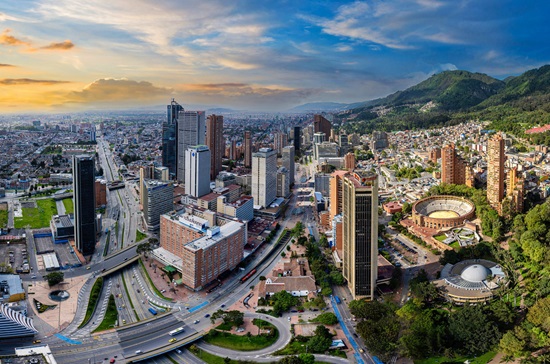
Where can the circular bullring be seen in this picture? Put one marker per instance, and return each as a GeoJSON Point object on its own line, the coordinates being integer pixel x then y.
{"type": "Point", "coordinates": [440, 212]}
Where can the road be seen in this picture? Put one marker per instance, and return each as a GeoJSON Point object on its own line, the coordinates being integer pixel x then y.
{"type": "Point", "coordinates": [144, 335]}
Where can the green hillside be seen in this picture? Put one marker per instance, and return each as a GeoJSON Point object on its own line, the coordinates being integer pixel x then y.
{"type": "Point", "coordinates": [513, 105]}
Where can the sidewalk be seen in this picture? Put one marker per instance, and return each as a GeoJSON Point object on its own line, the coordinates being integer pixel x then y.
{"type": "Point", "coordinates": [54, 320]}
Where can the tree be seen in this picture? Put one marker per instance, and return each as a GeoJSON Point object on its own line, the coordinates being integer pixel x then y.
{"type": "Point", "coordinates": [307, 358]}
{"type": "Point", "coordinates": [425, 291]}
{"type": "Point", "coordinates": [234, 317]}
{"type": "Point", "coordinates": [262, 278]}
{"type": "Point", "coordinates": [227, 360]}
{"type": "Point", "coordinates": [291, 359]}
{"type": "Point", "coordinates": [471, 331]}
{"type": "Point", "coordinates": [283, 301]}
{"type": "Point", "coordinates": [337, 278]}
{"type": "Point", "coordinates": [512, 346]}
{"type": "Point", "coordinates": [6, 268]}
{"type": "Point", "coordinates": [539, 314]}
{"type": "Point", "coordinates": [327, 318]}
{"type": "Point", "coordinates": [54, 278]}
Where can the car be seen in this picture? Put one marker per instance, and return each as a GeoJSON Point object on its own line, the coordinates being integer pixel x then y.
{"type": "Point", "coordinates": [223, 305]}
{"type": "Point", "coordinates": [172, 340]}
{"type": "Point", "coordinates": [123, 321]}
{"type": "Point", "coordinates": [37, 341]}
{"type": "Point", "coordinates": [288, 318]}
{"type": "Point", "coordinates": [88, 268]}
{"type": "Point", "coordinates": [207, 315]}
{"type": "Point", "coordinates": [196, 321]}
{"type": "Point", "coordinates": [293, 311]}
{"type": "Point", "coordinates": [178, 351]}
{"type": "Point", "coordinates": [355, 334]}
{"type": "Point", "coordinates": [33, 276]}
{"type": "Point", "coordinates": [112, 361]}
{"type": "Point", "coordinates": [126, 258]}
{"type": "Point", "coordinates": [138, 291]}
{"type": "Point", "coordinates": [361, 350]}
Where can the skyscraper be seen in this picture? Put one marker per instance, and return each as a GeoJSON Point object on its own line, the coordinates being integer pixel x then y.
{"type": "Point", "coordinates": [297, 140]}
{"type": "Point", "coordinates": [158, 200]}
{"type": "Point", "coordinates": [453, 167]}
{"type": "Point", "coordinates": [215, 142]}
{"type": "Point", "coordinates": [84, 203]}
{"type": "Point", "coordinates": [233, 150]}
{"type": "Point", "coordinates": [247, 150]}
{"type": "Point", "coordinates": [495, 171]}
{"type": "Point", "coordinates": [321, 125]}
{"type": "Point", "coordinates": [197, 175]}
{"type": "Point", "coordinates": [264, 176]}
{"type": "Point", "coordinates": [279, 141]}
{"type": "Point", "coordinates": [145, 172]}
{"type": "Point", "coordinates": [360, 233]}
{"type": "Point", "coordinates": [349, 161]}
{"type": "Point", "coordinates": [191, 132]}
{"type": "Point", "coordinates": [288, 162]}
{"type": "Point", "coordinates": [169, 137]}
{"type": "Point", "coordinates": [336, 193]}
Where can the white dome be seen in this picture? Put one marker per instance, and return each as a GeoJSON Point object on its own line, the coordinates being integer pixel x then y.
{"type": "Point", "coordinates": [475, 273]}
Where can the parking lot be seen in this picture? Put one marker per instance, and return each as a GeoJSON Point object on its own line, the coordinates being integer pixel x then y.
{"type": "Point", "coordinates": [14, 254]}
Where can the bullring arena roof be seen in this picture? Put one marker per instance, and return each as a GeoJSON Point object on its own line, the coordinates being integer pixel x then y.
{"type": "Point", "coordinates": [440, 212]}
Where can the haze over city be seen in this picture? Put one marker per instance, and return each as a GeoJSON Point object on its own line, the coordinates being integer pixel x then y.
{"type": "Point", "coordinates": [70, 55]}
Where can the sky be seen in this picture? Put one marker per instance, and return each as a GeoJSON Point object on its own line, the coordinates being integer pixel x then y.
{"type": "Point", "coordinates": [258, 55]}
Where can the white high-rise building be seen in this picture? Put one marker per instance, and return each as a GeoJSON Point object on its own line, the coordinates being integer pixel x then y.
{"type": "Point", "coordinates": [264, 176]}
{"type": "Point", "coordinates": [288, 162]}
{"type": "Point", "coordinates": [197, 171]}
{"type": "Point", "coordinates": [191, 132]}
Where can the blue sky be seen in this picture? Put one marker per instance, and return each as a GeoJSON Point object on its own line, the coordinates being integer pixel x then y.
{"type": "Point", "coordinates": [64, 55]}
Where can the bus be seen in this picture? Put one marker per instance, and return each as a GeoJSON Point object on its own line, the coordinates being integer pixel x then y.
{"type": "Point", "coordinates": [152, 310]}
{"type": "Point", "coordinates": [337, 299]}
{"type": "Point", "coordinates": [179, 330]}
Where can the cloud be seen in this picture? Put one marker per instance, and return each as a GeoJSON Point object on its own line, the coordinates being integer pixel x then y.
{"type": "Point", "coordinates": [28, 81]}
{"type": "Point", "coordinates": [10, 40]}
{"type": "Point", "coordinates": [6, 65]}
{"type": "Point", "coordinates": [401, 24]}
{"type": "Point", "coordinates": [65, 45]}
{"type": "Point", "coordinates": [110, 90]}
{"type": "Point", "coordinates": [201, 34]}
{"type": "Point", "coordinates": [259, 97]}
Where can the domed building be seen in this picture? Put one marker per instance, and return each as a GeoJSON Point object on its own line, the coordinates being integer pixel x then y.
{"type": "Point", "coordinates": [470, 281]}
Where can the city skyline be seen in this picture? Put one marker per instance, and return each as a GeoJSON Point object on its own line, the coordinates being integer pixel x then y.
{"type": "Point", "coordinates": [70, 55]}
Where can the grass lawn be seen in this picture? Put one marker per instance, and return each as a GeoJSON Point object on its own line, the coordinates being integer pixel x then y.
{"type": "Point", "coordinates": [485, 358]}
{"type": "Point", "coordinates": [69, 206]}
{"type": "Point", "coordinates": [455, 245]}
{"type": "Point", "coordinates": [140, 236]}
{"type": "Point", "coordinates": [225, 326]}
{"type": "Point", "coordinates": [293, 348]}
{"type": "Point", "coordinates": [242, 343]}
{"type": "Point", "coordinates": [211, 358]}
{"type": "Point", "coordinates": [94, 295]}
{"type": "Point", "coordinates": [37, 217]}
{"type": "Point", "coordinates": [440, 237]}
{"type": "Point", "coordinates": [3, 218]}
{"type": "Point", "coordinates": [111, 316]}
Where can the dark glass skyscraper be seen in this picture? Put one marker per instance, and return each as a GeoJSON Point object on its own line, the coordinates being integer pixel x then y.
{"type": "Point", "coordinates": [84, 203]}
{"type": "Point", "coordinates": [297, 140]}
{"type": "Point", "coordinates": [169, 137]}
